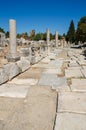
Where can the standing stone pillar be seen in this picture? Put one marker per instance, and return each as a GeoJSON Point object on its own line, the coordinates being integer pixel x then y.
{"type": "Point", "coordinates": [56, 39]}
{"type": "Point", "coordinates": [48, 39]}
{"type": "Point", "coordinates": [68, 44]}
{"type": "Point", "coordinates": [13, 54]}
{"type": "Point", "coordinates": [62, 43]}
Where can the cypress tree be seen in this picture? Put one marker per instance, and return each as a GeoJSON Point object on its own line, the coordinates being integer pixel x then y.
{"type": "Point", "coordinates": [81, 30]}
{"type": "Point", "coordinates": [71, 33]}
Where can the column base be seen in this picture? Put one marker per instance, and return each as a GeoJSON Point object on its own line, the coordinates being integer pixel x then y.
{"type": "Point", "coordinates": [11, 58]}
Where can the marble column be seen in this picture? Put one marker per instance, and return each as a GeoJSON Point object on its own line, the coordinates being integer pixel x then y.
{"type": "Point", "coordinates": [68, 44]}
{"type": "Point", "coordinates": [62, 43]}
{"type": "Point", "coordinates": [48, 39]}
{"type": "Point", "coordinates": [56, 39]}
{"type": "Point", "coordinates": [13, 54]}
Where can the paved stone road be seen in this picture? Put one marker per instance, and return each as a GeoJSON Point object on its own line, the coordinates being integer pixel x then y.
{"type": "Point", "coordinates": [51, 95]}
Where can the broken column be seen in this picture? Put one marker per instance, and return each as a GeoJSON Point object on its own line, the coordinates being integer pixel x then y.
{"type": "Point", "coordinates": [13, 54]}
{"type": "Point", "coordinates": [48, 39]}
{"type": "Point", "coordinates": [56, 39]}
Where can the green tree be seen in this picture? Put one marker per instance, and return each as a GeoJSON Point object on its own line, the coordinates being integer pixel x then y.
{"type": "Point", "coordinates": [64, 35]}
{"type": "Point", "coordinates": [2, 30]}
{"type": "Point", "coordinates": [19, 35]}
{"type": "Point", "coordinates": [44, 36]}
{"type": "Point", "coordinates": [71, 32]}
{"type": "Point", "coordinates": [60, 36]}
{"type": "Point", "coordinates": [25, 35]}
{"type": "Point", "coordinates": [81, 30]}
{"type": "Point", "coordinates": [52, 36]}
{"type": "Point", "coordinates": [7, 34]}
{"type": "Point", "coordinates": [38, 36]}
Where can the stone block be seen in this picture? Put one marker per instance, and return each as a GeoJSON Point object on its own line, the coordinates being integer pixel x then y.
{"type": "Point", "coordinates": [37, 59]}
{"type": "Point", "coordinates": [12, 70]}
{"type": "Point", "coordinates": [26, 58]}
{"type": "Point", "coordinates": [46, 60]}
{"type": "Point", "coordinates": [33, 61]}
{"type": "Point", "coordinates": [24, 52]}
{"type": "Point", "coordinates": [23, 65]}
{"type": "Point", "coordinates": [3, 76]}
{"type": "Point", "coordinates": [52, 56]}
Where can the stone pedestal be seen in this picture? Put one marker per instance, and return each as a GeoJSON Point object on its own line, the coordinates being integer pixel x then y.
{"type": "Point", "coordinates": [13, 54]}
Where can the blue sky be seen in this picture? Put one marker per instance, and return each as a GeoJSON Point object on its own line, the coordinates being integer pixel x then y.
{"type": "Point", "coordinates": [41, 14]}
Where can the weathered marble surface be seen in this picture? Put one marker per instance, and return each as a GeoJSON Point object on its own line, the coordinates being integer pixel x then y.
{"type": "Point", "coordinates": [70, 121]}
{"type": "Point", "coordinates": [72, 102]}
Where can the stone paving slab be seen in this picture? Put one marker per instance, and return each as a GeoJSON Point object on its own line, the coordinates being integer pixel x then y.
{"type": "Point", "coordinates": [70, 121]}
{"type": "Point", "coordinates": [10, 104]}
{"type": "Point", "coordinates": [82, 62]}
{"type": "Point", "coordinates": [40, 65]}
{"type": "Point", "coordinates": [81, 57]}
{"type": "Point", "coordinates": [56, 63]}
{"type": "Point", "coordinates": [52, 56]}
{"type": "Point", "coordinates": [27, 115]}
{"type": "Point", "coordinates": [52, 80]}
{"type": "Point", "coordinates": [4, 116]}
{"type": "Point", "coordinates": [14, 91]}
{"type": "Point", "coordinates": [73, 73]}
{"type": "Point", "coordinates": [74, 58]}
{"type": "Point", "coordinates": [37, 113]}
{"type": "Point", "coordinates": [62, 54]}
{"type": "Point", "coordinates": [84, 67]}
{"type": "Point", "coordinates": [28, 81]}
{"type": "Point", "coordinates": [74, 68]}
{"type": "Point", "coordinates": [63, 88]}
{"type": "Point", "coordinates": [53, 71]}
{"type": "Point", "coordinates": [84, 71]}
{"type": "Point", "coordinates": [73, 63]}
{"type": "Point", "coordinates": [32, 73]}
{"type": "Point", "coordinates": [36, 69]}
{"type": "Point", "coordinates": [46, 60]}
{"type": "Point", "coordinates": [72, 102]}
{"type": "Point", "coordinates": [78, 85]}
{"type": "Point", "coordinates": [51, 64]}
